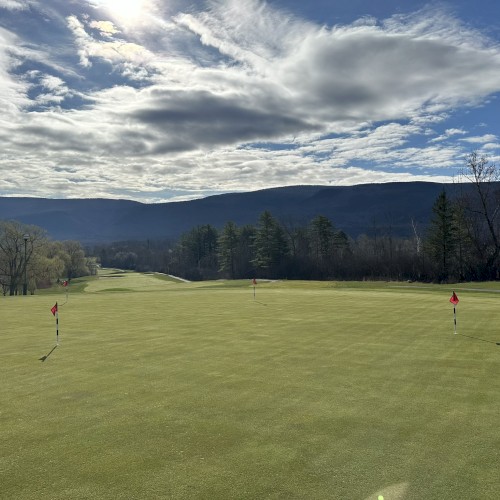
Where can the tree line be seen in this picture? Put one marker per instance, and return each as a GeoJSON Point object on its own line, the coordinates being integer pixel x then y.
{"type": "Point", "coordinates": [30, 260]}
{"type": "Point", "coordinates": [464, 235]}
{"type": "Point", "coordinates": [461, 242]}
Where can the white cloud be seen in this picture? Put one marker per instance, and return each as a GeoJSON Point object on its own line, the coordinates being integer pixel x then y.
{"type": "Point", "coordinates": [399, 70]}
{"type": "Point", "coordinates": [201, 103]}
{"type": "Point", "coordinates": [448, 133]}
{"type": "Point", "coordinates": [12, 90]}
{"type": "Point", "coordinates": [491, 146]}
{"type": "Point", "coordinates": [480, 139]}
{"type": "Point", "coordinates": [106, 28]}
{"type": "Point", "coordinates": [115, 51]}
{"type": "Point", "coordinates": [454, 131]}
{"type": "Point", "coordinates": [14, 4]}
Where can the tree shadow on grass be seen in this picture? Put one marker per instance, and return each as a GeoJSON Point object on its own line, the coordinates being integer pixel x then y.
{"type": "Point", "coordinates": [43, 358]}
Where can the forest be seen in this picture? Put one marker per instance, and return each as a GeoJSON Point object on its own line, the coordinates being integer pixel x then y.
{"type": "Point", "coordinates": [461, 242]}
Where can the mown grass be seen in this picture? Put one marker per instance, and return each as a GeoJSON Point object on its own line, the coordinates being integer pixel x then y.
{"type": "Point", "coordinates": [197, 390]}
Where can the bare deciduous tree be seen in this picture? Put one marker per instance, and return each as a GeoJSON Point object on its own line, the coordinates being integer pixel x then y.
{"type": "Point", "coordinates": [481, 208]}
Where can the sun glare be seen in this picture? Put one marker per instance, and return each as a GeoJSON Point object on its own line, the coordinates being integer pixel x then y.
{"type": "Point", "coordinates": [123, 10]}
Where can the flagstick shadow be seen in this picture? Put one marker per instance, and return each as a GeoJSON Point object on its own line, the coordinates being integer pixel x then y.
{"type": "Point", "coordinates": [477, 338]}
{"type": "Point", "coordinates": [43, 358]}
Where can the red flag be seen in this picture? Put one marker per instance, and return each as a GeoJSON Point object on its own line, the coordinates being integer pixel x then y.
{"type": "Point", "coordinates": [54, 309]}
{"type": "Point", "coordinates": [64, 283]}
{"type": "Point", "coordinates": [254, 281]}
{"type": "Point", "coordinates": [454, 299]}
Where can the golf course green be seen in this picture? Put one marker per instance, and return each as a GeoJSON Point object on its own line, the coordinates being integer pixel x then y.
{"type": "Point", "coordinates": [161, 389]}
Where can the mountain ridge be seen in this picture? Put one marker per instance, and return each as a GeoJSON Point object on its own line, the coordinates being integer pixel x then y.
{"type": "Point", "coordinates": [354, 209]}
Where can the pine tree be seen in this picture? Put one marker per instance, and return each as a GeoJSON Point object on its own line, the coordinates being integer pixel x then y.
{"type": "Point", "coordinates": [228, 247]}
{"type": "Point", "coordinates": [270, 243]}
{"type": "Point", "coordinates": [442, 235]}
{"type": "Point", "coordinates": [322, 235]}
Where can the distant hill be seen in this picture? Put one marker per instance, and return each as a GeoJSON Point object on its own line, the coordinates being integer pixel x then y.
{"type": "Point", "coordinates": [354, 209]}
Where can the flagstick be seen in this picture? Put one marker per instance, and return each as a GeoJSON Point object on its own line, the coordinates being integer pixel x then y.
{"type": "Point", "coordinates": [67, 296]}
{"type": "Point", "coordinates": [455, 318]}
{"type": "Point", "coordinates": [57, 327]}
{"type": "Point", "coordinates": [454, 300]}
{"type": "Point", "coordinates": [254, 292]}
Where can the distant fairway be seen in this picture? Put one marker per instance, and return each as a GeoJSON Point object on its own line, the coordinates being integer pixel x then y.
{"type": "Point", "coordinates": [169, 390]}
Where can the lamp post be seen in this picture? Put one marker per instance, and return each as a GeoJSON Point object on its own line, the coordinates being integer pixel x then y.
{"type": "Point", "coordinates": [25, 285]}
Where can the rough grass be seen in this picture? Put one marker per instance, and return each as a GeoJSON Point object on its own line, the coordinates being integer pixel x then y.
{"type": "Point", "coordinates": [309, 391]}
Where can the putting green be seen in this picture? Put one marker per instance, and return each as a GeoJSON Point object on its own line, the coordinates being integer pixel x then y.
{"type": "Point", "coordinates": [162, 389]}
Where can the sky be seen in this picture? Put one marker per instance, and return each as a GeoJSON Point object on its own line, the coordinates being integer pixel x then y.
{"type": "Point", "coordinates": [171, 100]}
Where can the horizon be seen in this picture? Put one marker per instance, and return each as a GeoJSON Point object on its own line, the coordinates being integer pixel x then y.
{"type": "Point", "coordinates": [320, 186]}
{"type": "Point", "coordinates": [155, 101]}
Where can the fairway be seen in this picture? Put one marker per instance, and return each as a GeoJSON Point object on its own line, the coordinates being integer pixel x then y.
{"type": "Point", "coordinates": [311, 390]}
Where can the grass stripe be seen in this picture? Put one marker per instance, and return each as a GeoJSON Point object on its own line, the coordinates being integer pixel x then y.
{"type": "Point", "coordinates": [196, 390]}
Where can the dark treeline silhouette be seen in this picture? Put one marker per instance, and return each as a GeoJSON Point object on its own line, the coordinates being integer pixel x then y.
{"type": "Point", "coordinates": [275, 249]}
{"type": "Point", "coordinates": [460, 242]}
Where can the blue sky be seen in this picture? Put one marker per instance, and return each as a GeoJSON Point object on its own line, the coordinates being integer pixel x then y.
{"type": "Point", "coordinates": [162, 100]}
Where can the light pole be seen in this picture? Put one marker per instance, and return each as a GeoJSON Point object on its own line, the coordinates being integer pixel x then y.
{"type": "Point", "coordinates": [25, 285]}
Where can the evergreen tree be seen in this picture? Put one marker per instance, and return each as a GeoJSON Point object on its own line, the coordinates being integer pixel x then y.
{"type": "Point", "coordinates": [245, 253]}
{"type": "Point", "coordinates": [322, 235]}
{"type": "Point", "coordinates": [196, 254]}
{"type": "Point", "coordinates": [228, 248]}
{"type": "Point", "coordinates": [442, 235]}
{"type": "Point", "coordinates": [270, 244]}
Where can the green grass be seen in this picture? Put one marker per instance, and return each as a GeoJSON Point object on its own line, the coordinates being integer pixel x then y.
{"type": "Point", "coordinates": [313, 390]}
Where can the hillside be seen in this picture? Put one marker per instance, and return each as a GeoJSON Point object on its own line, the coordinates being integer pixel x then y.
{"type": "Point", "coordinates": [354, 209]}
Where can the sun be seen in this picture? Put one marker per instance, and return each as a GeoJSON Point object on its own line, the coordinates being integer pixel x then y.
{"type": "Point", "coordinates": [126, 11]}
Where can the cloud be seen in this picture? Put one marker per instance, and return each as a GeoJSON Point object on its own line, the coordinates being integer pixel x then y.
{"type": "Point", "coordinates": [105, 28]}
{"type": "Point", "coordinates": [491, 146]}
{"type": "Point", "coordinates": [360, 72]}
{"type": "Point", "coordinates": [236, 96]}
{"type": "Point", "coordinates": [115, 51]}
{"type": "Point", "coordinates": [13, 91]}
{"type": "Point", "coordinates": [193, 119]}
{"type": "Point", "coordinates": [480, 139]}
{"type": "Point", "coordinates": [14, 4]}
{"type": "Point", "coordinates": [448, 133]}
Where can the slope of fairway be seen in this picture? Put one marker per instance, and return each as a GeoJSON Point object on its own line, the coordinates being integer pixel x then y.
{"type": "Point", "coordinates": [162, 389]}
{"type": "Point", "coordinates": [122, 281]}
